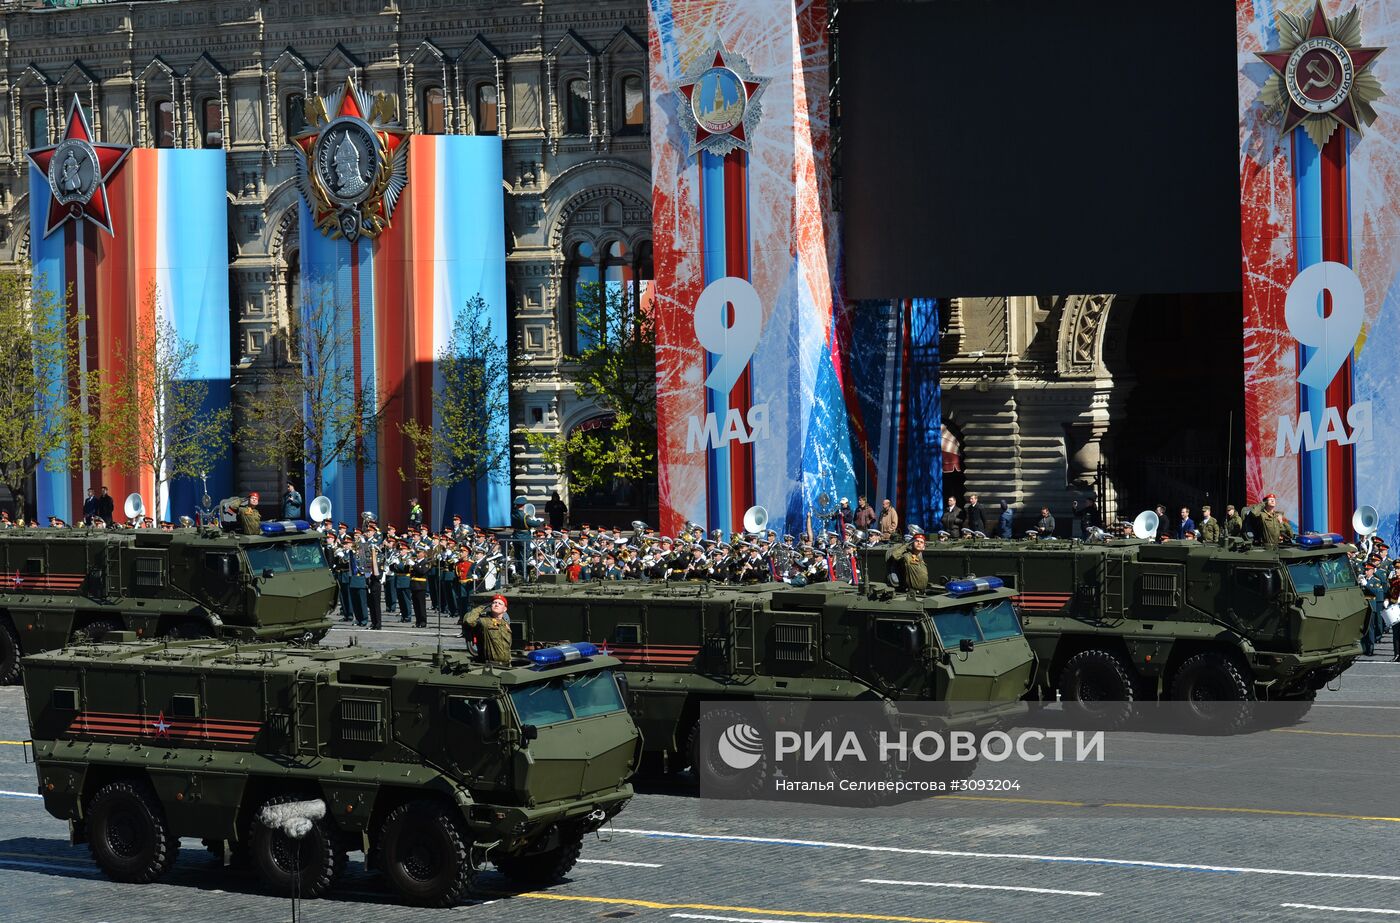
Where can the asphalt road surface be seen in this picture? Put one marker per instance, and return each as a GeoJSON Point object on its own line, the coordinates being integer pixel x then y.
{"type": "Point", "coordinates": [1000, 860]}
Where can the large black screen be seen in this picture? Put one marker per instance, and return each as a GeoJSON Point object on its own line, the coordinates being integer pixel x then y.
{"type": "Point", "coordinates": [994, 147]}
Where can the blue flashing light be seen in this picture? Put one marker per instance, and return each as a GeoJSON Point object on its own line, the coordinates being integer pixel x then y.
{"type": "Point", "coordinates": [285, 527]}
{"type": "Point", "coordinates": [1320, 540]}
{"type": "Point", "coordinates": [974, 585]}
{"type": "Point", "coordinates": [564, 653]}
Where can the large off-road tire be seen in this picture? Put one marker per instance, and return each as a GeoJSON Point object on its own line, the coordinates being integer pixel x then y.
{"type": "Point", "coordinates": [541, 869]}
{"type": "Point", "coordinates": [425, 852]}
{"type": "Point", "coordinates": [312, 863]}
{"type": "Point", "coordinates": [9, 653]}
{"type": "Point", "coordinates": [128, 835]}
{"type": "Point", "coordinates": [716, 777]}
{"type": "Point", "coordinates": [95, 630]}
{"type": "Point", "coordinates": [1097, 689]}
{"type": "Point", "coordinates": [1217, 695]}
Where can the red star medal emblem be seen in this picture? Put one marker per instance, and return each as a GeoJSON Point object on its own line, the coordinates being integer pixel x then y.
{"type": "Point", "coordinates": [161, 726]}
{"type": "Point", "coordinates": [719, 102]}
{"type": "Point", "coordinates": [78, 169]}
{"type": "Point", "coordinates": [1320, 77]}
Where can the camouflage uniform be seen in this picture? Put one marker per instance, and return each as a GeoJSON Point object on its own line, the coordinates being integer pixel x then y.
{"type": "Point", "coordinates": [249, 519]}
{"type": "Point", "coordinates": [1210, 531]}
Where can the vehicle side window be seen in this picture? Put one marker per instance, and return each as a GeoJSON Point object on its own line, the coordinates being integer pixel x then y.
{"type": "Point", "coordinates": [1257, 581]}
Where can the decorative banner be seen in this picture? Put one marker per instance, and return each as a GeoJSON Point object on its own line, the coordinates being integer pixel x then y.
{"type": "Point", "coordinates": [398, 259]}
{"type": "Point", "coordinates": [109, 224]}
{"type": "Point", "coordinates": [750, 398]}
{"type": "Point", "coordinates": [1320, 210]}
{"type": "Point", "coordinates": [892, 385]}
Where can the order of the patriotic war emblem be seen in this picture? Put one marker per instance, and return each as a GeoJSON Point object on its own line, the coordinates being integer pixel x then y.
{"type": "Point", "coordinates": [353, 163]}
{"type": "Point", "coordinates": [1322, 75]}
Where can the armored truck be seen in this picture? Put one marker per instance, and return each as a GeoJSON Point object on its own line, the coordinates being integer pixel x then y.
{"type": "Point", "coordinates": [682, 644]}
{"type": "Point", "coordinates": [431, 764]}
{"type": "Point", "coordinates": [58, 585]}
{"type": "Point", "coordinates": [1129, 620]}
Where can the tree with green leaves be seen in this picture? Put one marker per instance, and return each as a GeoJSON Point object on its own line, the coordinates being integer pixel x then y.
{"type": "Point", "coordinates": [470, 440]}
{"type": "Point", "coordinates": [43, 420]}
{"type": "Point", "coordinates": [314, 411]}
{"type": "Point", "coordinates": [617, 372]}
{"type": "Point", "coordinates": [154, 415]}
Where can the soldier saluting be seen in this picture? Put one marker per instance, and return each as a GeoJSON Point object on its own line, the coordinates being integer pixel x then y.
{"type": "Point", "coordinates": [906, 562]}
{"type": "Point", "coordinates": [493, 623]}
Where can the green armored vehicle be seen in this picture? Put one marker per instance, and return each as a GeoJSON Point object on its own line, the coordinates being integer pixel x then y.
{"type": "Point", "coordinates": [429, 763]}
{"type": "Point", "coordinates": [58, 585]}
{"type": "Point", "coordinates": [1129, 620]}
{"type": "Point", "coordinates": [687, 643]}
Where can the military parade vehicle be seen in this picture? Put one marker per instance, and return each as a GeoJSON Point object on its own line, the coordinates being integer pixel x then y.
{"type": "Point", "coordinates": [686, 643]}
{"type": "Point", "coordinates": [1130, 620]}
{"type": "Point", "coordinates": [430, 763]}
{"type": "Point", "coordinates": [58, 585]}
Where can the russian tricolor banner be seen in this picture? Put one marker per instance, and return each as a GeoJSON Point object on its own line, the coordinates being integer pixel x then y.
{"type": "Point", "coordinates": [168, 213]}
{"type": "Point", "coordinates": [1320, 217]}
{"type": "Point", "coordinates": [396, 297]}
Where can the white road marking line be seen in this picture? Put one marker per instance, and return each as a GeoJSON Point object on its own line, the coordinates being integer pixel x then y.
{"type": "Point", "coordinates": [20, 795]}
{"type": "Point", "coordinates": [618, 862]}
{"type": "Point", "coordinates": [1339, 705]}
{"type": "Point", "coordinates": [706, 916]}
{"type": "Point", "coordinates": [1022, 857]}
{"type": "Point", "coordinates": [1341, 909]}
{"type": "Point", "coordinates": [970, 887]}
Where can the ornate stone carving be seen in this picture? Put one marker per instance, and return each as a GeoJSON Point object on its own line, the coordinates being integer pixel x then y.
{"type": "Point", "coordinates": [1081, 335]}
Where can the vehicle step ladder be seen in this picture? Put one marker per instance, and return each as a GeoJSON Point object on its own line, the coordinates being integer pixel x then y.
{"type": "Point", "coordinates": [306, 712]}
{"type": "Point", "coordinates": [741, 638]}
{"type": "Point", "coordinates": [1113, 587]}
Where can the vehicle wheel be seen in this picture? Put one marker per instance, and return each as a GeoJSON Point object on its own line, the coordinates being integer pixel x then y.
{"type": "Point", "coordinates": [1216, 692]}
{"type": "Point", "coordinates": [542, 869]}
{"type": "Point", "coordinates": [128, 834]}
{"type": "Point", "coordinates": [239, 856]}
{"type": "Point", "coordinates": [1096, 687]}
{"type": "Point", "coordinates": [189, 630]}
{"type": "Point", "coordinates": [9, 653]}
{"type": "Point", "coordinates": [424, 852]}
{"type": "Point", "coordinates": [718, 778]}
{"type": "Point", "coordinates": [312, 863]}
{"type": "Point", "coordinates": [871, 772]}
{"type": "Point", "coordinates": [94, 630]}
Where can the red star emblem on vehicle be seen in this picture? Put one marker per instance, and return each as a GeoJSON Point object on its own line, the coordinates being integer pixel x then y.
{"type": "Point", "coordinates": [162, 727]}
{"type": "Point", "coordinates": [1320, 73]}
{"type": "Point", "coordinates": [78, 169]}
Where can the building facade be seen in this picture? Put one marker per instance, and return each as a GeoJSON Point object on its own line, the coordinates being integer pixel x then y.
{"type": "Point", "coordinates": [562, 82]}
{"type": "Point", "coordinates": [1038, 390]}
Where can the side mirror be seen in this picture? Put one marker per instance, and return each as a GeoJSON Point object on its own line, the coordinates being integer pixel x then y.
{"type": "Point", "coordinates": [268, 572]}
{"type": "Point", "coordinates": [1319, 591]}
{"type": "Point", "coordinates": [965, 645]}
{"type": "Point", "coordinates": [529, 732]}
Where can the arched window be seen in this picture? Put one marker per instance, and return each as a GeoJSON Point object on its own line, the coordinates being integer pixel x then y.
{"type": "Point", "coordinates": [644, 275]}
{"type": "Point", "coordinates": [486, 109]}
{"type": "Point", "coordinates": [576, 107]}
{"type": "Point", "coordinates": [295, 115]}
{"type": "Point", "coordinates": [584, 296]}
{"type": "Point", "coordinates": [294, 284]}
{"type": "Point", "coordinates": [434, 111]}
{"type": "Point", "coordinates": [212, 115]}
{"type": "Point", "coordinates": [38, 126]}
{"type": "Point", "coordinates": [631, 108]}
{"type": "Point", "coordinates": [163, 123]}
